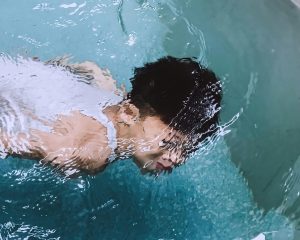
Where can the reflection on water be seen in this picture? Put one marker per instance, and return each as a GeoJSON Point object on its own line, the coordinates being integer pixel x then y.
{"type": "Point", "coordinates": [252, 45]}
{"type": "Point", "coordinates": [11, 230]}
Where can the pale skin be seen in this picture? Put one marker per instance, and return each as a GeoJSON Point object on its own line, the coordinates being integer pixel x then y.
{"type": "Point", "coordinates": [80, 142]}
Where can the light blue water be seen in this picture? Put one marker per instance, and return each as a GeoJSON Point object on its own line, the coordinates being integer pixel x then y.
{"type": "Point", "coordinates": [205, 199]}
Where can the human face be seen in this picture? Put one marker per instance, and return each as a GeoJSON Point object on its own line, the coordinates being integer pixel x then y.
{"type": "Point", "coordinates": [158, 148]}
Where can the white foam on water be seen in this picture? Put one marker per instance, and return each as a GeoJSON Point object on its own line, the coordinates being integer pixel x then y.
{"type": "Point", "coordinates": [71, 5]}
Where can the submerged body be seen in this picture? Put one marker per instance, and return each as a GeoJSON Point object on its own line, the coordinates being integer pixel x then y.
{"type": "Point", "coordinates": [31, 88]}
{"type": "Point", "coordinates": [74, 117]}
{"type": "Point", "coordinates": [39, 102]}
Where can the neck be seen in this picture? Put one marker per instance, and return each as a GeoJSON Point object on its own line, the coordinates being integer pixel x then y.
{"type": "Point", "coordinates": [123, 131]}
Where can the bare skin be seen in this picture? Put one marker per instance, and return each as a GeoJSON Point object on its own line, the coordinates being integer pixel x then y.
{"type": "Point", "coordinates": [153, 144]}
{"type": "Point", "coordinates": [100, 78]}
{"type": "Point", "coordinates": [78, 142]}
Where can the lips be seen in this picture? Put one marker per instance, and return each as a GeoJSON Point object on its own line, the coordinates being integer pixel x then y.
{"type": "Point", "coordinates": [160, 166]}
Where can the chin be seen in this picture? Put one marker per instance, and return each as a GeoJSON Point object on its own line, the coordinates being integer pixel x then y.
{"type": "Point", "coordinates": [147, 170]}
{"type": "Point", "coordinates": [141, 164]}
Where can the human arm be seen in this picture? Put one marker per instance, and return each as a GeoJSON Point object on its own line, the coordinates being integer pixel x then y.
{"type": "Point", "coordinates": [91, 72]}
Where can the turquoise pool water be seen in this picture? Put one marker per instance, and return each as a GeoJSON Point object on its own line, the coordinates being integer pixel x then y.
{"type": "Point", "coordinates": [246, 184]}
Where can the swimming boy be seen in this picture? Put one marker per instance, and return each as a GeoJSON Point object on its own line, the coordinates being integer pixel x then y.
{"type": "Point", "coordinates": [73, 117]}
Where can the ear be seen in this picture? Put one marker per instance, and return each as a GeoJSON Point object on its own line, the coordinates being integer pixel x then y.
{"type": "Point", "coordinates": [128, 114]}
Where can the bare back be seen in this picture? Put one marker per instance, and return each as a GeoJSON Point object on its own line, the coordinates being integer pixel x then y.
{"type": "Point", "coordinates": [53, 111]}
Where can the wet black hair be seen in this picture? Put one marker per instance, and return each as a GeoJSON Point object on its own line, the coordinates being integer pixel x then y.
{"type": "Point", "coordinates": [183, 93]}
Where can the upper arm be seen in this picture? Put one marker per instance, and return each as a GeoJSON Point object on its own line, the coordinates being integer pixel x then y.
{"type": "Point", "coordinates": [99, 77]}
{"type": "Point", "coordinates": [90, 71]}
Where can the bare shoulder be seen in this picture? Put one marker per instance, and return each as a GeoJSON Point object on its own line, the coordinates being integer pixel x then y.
{"type": "Point", "coordinates": [76, 141]}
